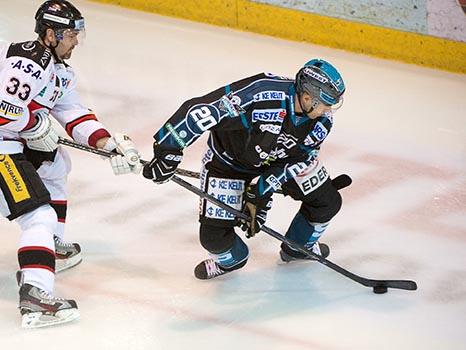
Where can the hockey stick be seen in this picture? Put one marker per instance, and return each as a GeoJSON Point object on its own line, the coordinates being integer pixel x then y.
{"type": "Point", "coordinates": [104, 153]}
{"type": "Point", "coordinates": [379, 286]}
{"type": "Point", "coordinates": [339, 182]}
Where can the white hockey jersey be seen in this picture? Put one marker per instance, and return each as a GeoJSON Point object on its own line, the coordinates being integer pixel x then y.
{"type": "Point", "coordinates": [30, 80]}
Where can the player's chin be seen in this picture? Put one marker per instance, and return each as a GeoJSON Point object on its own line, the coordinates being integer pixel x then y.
{"type": "Point", "coordinates": [312, 116]}
{"type": "Point", "coordinates": [66, 55]}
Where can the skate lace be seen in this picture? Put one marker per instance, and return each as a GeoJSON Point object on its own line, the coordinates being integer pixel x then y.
{"type": "Point", "coordinates": [46, 295]}
{"type": "Point", "coordinates": [61, 243]}
{"type": "Point", "coordinates": [316, 249]}
{"type": "Point", "coordinates": [313, 247]}
{"type": "Point", "coordinates": [212, 268]}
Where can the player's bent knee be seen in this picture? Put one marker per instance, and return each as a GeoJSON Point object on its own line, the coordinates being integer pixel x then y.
{"type": "Point", "coordinates": [216, 239]}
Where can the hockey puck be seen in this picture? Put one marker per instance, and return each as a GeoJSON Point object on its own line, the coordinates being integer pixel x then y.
{"type": "Point", "coordinates": [380, 289]}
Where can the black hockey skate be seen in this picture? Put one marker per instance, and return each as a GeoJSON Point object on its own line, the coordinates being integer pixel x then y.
{"type": "Point", "coordinates": [287, 254]}
{"type": "Point", "coordinates": [67, 255]}
{"type": "Point", "coordinates": [39, 309]}
{"type": "Point", "coordinates": [208, 269]}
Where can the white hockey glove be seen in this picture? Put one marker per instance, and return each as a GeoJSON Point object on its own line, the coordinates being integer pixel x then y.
{"type": "Point", "coordinates": [128, 159]}
{"type": "Point", "coordinates": [42, 136]}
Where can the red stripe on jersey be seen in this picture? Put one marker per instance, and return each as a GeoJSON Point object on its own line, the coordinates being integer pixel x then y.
{"type": "Point", "coordinates": [96, 136]}
{"type": "Point", "coordinates": [28, 248]}
{"type": "Point", "coordinates": [63, 221]}
{"type": "Point", "coordinates": [61, 202]}
{"type": "Point", "coordinates": [33, 106]}
{"type": "Point", "coordinates": [4, 121]}
{"type": "Point", "coordinates": [71, 125]}
{"type": "Point", "coordinates": [36, 266]}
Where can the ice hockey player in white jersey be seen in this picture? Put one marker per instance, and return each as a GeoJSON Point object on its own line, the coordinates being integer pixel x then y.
{"type": "Point", "coordinates": [35, 85]}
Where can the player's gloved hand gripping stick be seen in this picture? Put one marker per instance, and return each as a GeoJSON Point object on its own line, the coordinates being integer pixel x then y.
{"type": "Point", "coordinates": [378, 286]}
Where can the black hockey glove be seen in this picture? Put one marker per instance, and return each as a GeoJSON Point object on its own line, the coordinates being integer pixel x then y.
{"type": "Point", "coordinates": [256, 208]}
{"type": "Point", "coordinates": [342, 181]}
{"type": "Point", "coordinates": [163, 166]}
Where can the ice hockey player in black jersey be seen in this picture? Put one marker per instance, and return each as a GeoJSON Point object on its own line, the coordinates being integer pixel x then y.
{"type": "Point", "coordinates": [264, 128]}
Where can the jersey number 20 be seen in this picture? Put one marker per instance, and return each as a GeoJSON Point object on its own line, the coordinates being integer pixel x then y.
{"type": "Point", "coordinates": [203, 118]}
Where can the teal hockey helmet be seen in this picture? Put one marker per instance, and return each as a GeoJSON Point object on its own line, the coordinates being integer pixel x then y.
{"type": "Point", "coordinates": [321, 79]}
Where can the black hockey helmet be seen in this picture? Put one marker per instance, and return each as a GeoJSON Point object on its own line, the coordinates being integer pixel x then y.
{"type": "Point", "coordinates": [322, 80]}
{"type": "Point", "coordinates": [58, 15]}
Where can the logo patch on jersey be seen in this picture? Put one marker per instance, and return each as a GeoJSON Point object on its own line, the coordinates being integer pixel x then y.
{"type": "Point", "coordinates": [231, 104]}
{"type": "Point", "coordinates": [312, 179]}
{"type": "Point", "coordinates": [9, 110]}
{"type": "Point", "coordinates": [13, 179]}
{"type": "Point", "coordinates": [272, 128]}
{"type": "Point", "coordinates": [296, 169]}
{"type": "Point", "coordinates": [284, 142]}
{"type": "Point", "coordinates": [29, 46]}
{"type": "Point", "coordinates": [273, 182]}
{"type": "Point", "coordinates": [30, 51]}
{"type": "Point", "coordinates": [269, 96]}
{"type": "Point", "coordinates": [65, 82]}
{"type": "Point", "coordinates": [27, 68]}
{"type": "Point", "coordinates": [262, 154]}
{"type": "Point", "coordinates": [319, 131]}
{"type": "Point", "coordinates": [289, 141]}
{"type": "Point", "coordinates": [268, 115]}
{"type": "Point", "coordinates": [228, 191]}
{"type": "Point", "coordinates": [309, 141]}
{"type": "Point", "coordinates": [177, 136]}
{"type": "Point", "coordinates": [236, 100]}
{"type": "Point", "coordinates": [45, 59]}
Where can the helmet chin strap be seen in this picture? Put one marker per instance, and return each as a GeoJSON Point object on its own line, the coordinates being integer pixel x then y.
{"type": "Point", "coordinates": [314, 105]}
{"type": "Point", "coordinates": [52, 49]}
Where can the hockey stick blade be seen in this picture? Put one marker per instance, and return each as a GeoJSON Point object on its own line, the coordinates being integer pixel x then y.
{"type": "Point", "coordinates": [398, 284]}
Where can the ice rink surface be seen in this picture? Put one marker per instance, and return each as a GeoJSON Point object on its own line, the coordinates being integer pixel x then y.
{"type": "Point", "coordinates": [401, 135]}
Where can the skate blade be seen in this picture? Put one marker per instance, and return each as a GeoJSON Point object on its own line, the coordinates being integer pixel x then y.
{"type": "Point", "coordinates": [286, 259]}
{"type": "Point", "coordinates": [39, 319]}
{"type": "Point", "coordinates": [65, 264]}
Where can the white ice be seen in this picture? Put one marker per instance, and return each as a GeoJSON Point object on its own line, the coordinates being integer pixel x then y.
{"type": "Point", "coordinates": [401, 135]}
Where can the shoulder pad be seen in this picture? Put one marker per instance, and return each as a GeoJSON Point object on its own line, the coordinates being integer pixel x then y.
{"type": "Point", "coordinates": [32, 50]}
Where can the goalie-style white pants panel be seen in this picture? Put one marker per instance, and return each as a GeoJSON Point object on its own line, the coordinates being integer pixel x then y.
{"type": "Point", "coordinates": [54, 174]}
